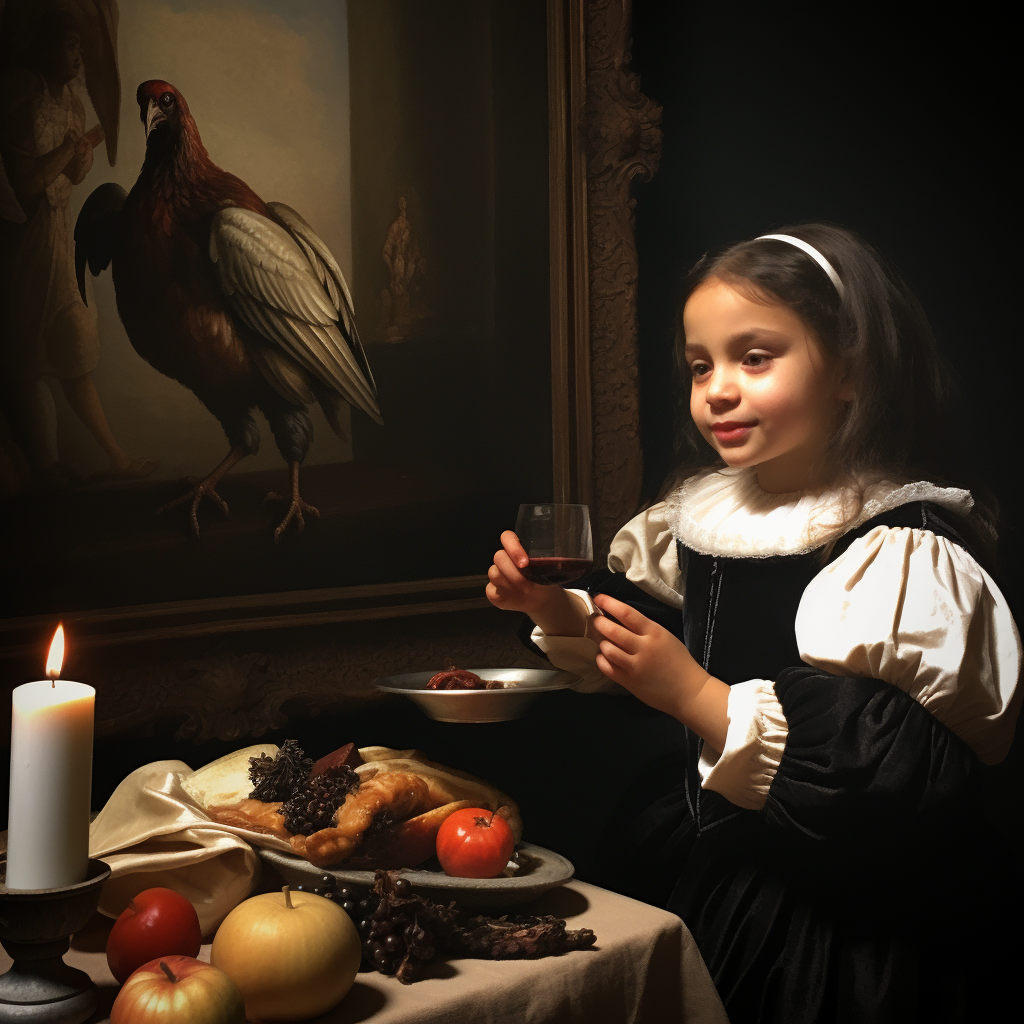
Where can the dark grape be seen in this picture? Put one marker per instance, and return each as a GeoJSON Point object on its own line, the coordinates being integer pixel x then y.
{"type": "Point", "coordinates": [328, 881]}
{"type": "Point", "coordinates": [349, 907]}
{"type": "Point", "coordinates": [402, 887]}
{"type": "Point", "coordinates": [298, 888]}
{"type": "Point", "coordinates": [364, 924]}
{"type": "Point", "coordinates": [367, 903]}
{"type": "Point", "coordinates": [393, 943]}
{"type": "Point", "coordinates": [346, 892]}
{"type": "Point", "coordinates": [380, 955]}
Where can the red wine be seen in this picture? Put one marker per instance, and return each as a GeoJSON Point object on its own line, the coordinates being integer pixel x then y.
{"type": "Point", "coordinates": [554, 569]}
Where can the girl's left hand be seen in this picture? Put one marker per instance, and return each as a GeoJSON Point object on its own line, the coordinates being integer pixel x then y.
{"type": "Point", "coordinates": [654, 665]}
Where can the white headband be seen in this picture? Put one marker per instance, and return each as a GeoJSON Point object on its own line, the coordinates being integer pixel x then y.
{"type": "Point", "coordinates": [813, 253]}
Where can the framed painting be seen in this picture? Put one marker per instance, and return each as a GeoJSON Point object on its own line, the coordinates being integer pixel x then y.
{"type": "Point", "coordinates": [436, 149]}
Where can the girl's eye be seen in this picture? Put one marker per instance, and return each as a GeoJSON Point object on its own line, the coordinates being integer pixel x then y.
{"type": "Point", "coordinates": [757, 360]}
{"type": "Point", "coordinates": [699, 369]}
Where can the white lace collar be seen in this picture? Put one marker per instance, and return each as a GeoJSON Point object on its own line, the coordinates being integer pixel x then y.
{"type": "Point", "coordinates": [725, 512]}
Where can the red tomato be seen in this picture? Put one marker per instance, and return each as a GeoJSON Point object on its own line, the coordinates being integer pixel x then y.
{"type": "Point", "coordinates": [156, 923]}
{"type": "Point", "coordinates": [474, 843]}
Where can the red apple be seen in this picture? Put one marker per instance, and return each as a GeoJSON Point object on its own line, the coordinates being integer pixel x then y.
{"type": "Point", "coordinates": [178, 990]}
{"type": "Point", "coordinates": [157, 922]}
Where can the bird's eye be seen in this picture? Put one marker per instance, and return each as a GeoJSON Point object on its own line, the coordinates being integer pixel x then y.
{"type": "Point", "coordinates": [167, 100]}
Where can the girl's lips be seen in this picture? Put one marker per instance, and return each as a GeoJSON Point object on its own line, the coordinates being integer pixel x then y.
{"type": "Point", "coordinates": [731, 431]}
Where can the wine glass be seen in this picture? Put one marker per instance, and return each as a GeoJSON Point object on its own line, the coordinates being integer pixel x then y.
{"type": "Point", "coordinates": [557, 538]}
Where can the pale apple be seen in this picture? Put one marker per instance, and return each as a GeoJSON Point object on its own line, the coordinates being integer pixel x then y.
{"type": "Point", "coordinates": [178, 990]}
{"type": "Point", "coordinates": [293, 955]}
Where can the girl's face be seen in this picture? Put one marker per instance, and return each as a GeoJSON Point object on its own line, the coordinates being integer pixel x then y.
{"type": "Point", "coordinates": [763, 393]}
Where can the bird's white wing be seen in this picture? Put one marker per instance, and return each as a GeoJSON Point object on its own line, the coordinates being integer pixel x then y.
{"type": "Point", "coordinates": [331, 277]}
{"type": "Point", "coordinates": [274, 287]}
{"type": "Point", "coordinates": [319, 256]}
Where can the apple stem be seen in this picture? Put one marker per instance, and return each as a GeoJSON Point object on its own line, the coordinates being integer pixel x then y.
{"type": "Point", "coordinates": [288, 897]}
{"type": "Point", "coordinates": [168, 971]}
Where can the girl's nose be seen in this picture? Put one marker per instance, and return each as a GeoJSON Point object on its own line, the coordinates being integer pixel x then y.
{"type": "Point", "coordinates": [722, 388]}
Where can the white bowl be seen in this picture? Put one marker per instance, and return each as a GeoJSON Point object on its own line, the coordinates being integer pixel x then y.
{"type": "Point", "coordinates": [522, 686]}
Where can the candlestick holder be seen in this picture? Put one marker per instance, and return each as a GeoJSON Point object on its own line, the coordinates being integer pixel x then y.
{"type": "Point", "coordinates": [36, 926]}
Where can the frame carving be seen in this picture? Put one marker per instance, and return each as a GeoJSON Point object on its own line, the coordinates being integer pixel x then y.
{"type": "Point", "coordinates": [230, 669]}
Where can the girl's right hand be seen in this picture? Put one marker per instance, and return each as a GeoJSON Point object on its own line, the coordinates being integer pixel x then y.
{"type": "Point", "coordinates": [556, 611]}
{"type": "Point", "coordinates": [508, 588]}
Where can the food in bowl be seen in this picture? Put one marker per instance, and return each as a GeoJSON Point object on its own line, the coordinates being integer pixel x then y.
{"type": "Point", "coordinates": [453, 678]}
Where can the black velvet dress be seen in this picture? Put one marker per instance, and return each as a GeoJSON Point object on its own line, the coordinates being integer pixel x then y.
{"type": "Point", "coordinates": [862, 890]}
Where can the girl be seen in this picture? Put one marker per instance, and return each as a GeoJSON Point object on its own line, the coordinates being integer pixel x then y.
{"type": "Point", "coordinates": [811, 604]}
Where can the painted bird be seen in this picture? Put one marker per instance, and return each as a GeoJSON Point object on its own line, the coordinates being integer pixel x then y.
{"type": "Point", "coordinates": [239, 300]}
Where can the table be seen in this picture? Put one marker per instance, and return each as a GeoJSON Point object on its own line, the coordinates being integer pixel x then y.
{"type": "Point", "coordinates": [644, 969]}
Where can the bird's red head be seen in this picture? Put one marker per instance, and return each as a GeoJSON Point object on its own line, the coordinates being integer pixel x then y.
{"type": "Point", "coordinates": [160, 104]}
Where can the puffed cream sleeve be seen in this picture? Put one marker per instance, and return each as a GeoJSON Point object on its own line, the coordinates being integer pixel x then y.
{"type": "Point", "coordinates": [901, 606]}
{"type": "Point", "coordinates": [754, 743]}
{"type": "Point", "coordinates": [917, 611]}
{"type": "Point", "coordinates": [644, 550]}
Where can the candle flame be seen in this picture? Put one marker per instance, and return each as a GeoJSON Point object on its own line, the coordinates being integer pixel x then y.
{"type": "Point", "coordinates": [55, 659]}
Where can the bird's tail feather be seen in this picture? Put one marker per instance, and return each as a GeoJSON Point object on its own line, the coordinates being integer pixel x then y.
{"type": "Point", "coordinates": [334, 409]}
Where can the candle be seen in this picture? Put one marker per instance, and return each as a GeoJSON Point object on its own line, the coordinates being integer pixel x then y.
{"type": "Point", "coordinates": [51, 779]}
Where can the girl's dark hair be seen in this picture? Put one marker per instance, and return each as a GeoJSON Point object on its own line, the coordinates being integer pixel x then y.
{"type": "Point", "coordinates": [878, 338]}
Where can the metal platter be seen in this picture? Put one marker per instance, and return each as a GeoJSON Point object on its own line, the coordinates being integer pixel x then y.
{"type": "Point", "coordinates": [522, 687]}
{"type": "Point", "coordinates": [535, 871]}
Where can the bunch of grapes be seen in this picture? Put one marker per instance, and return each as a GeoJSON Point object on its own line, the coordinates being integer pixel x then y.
{"type": "Point", "coordinates": [401, 932]}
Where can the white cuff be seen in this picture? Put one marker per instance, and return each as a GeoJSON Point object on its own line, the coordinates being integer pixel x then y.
{"type": "Point", "coordinates": [754, 744]}
{"type": "Point", "coordinates": [576, 654]}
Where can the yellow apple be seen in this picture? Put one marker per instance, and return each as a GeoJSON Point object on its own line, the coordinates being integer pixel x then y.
{"type": "Point", "coordinates": [293, 955]}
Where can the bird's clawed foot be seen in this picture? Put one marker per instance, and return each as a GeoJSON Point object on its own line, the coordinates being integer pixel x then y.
{"type": "Point", "coordinates": [204, 489]}
{"type": "Point", "coordinates": [295, 509]}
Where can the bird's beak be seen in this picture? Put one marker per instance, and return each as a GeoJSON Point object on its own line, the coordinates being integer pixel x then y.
{"type": "Point", "coordinates": [154, 116]}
